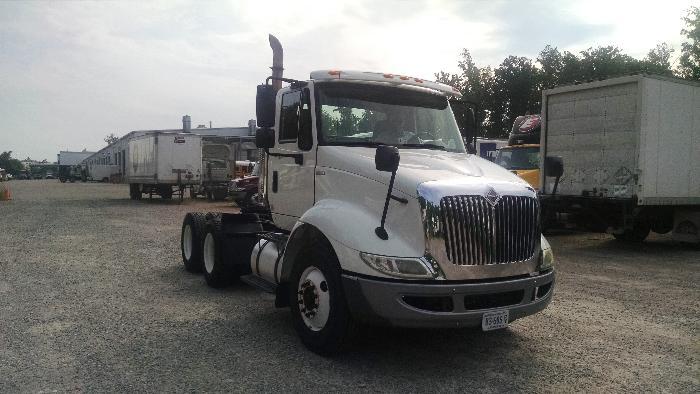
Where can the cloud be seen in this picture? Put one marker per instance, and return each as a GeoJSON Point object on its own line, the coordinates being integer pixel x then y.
{"type": "Point", "coordinates": [72, 73]}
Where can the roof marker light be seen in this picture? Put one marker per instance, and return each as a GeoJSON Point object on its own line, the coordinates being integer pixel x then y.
{"type": "Point", "coordinates": [334, 72]}
{"type": "Point", "coordinates": [388, 76]}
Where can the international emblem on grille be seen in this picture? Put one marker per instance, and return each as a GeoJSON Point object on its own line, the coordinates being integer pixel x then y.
{"type": "Point", "coordinates": [492, 197]}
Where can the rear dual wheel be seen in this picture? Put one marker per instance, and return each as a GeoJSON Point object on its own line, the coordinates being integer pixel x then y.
{"type": "Point", "coordinates": [191, 238]}
{"type": "Point", "coordinates": [134, 191]}
{"type": "Point", "coordinates": [217, 273]}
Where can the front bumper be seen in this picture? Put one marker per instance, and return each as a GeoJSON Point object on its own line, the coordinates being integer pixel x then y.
{"type": "Point", "coordinates": [406, 304]}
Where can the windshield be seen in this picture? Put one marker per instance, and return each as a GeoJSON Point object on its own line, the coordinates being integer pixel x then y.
{"type": "Point", "coordinates": [369, 115]}
{"type": "Point", "coordinates": [519, 158]}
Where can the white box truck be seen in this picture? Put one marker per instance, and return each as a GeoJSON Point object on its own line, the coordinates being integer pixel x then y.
{"type": "Point", "coordinates": [631, 153]}
{"type": "Point", "coordinates": [373, 212]}
{"type": "Point", "coordinates": [160, 161]}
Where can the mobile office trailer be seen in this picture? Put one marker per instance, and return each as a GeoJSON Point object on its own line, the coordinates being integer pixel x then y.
{"type": "Point", "coordinates": [630, 147]}
{"type": "Point", "coordinates": [159, 161]}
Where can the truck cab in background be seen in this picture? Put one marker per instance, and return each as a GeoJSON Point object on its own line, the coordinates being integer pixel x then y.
{"type": "Point", "coordinates": [372, 211]}
{"type": "Point", "coordinates": [522, 154]}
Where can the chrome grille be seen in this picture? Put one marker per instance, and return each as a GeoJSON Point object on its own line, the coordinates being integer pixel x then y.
{"type": "Point", "coordinates": [477, 233]}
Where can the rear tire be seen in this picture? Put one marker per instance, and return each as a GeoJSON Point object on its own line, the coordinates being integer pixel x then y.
{"type": "Point", "coordinates": [134, 191]}
{"type": "Point", "coordinates": [319, 311]}
{"type": "Point", "coordinates": [216, 273]}
{"type": "Point", "coordinates": [638, 233]}
{"type": "Point", "coordinates": [191, 239]}
{"type": "Point", "coordinates": [219, 195]}
{"type": "Point", "coordinates": [166, 193]}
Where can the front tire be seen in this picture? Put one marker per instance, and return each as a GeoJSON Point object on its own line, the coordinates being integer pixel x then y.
{"type": "Point", "coordinates": [191, 239]}
{"type": "Point", "coordinates": [319, 311]}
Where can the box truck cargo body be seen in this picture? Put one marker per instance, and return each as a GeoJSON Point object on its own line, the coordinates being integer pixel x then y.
{"type": "Point", "coordinates": [157, 162]}
{"type": "Point", "coordinates": [165, 158]}
{"type": "Point", "coordinates": [631, 153]}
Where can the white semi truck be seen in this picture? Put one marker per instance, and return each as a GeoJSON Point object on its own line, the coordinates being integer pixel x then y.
{"type": "Point", "coordinates": [373, 212]}
{"type": "Point", "coordinates": [631, 152]}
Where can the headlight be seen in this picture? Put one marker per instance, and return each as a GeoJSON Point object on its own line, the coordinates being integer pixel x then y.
{"type": "Point", "coordinates": [547, 255]}
{"type": "Point", "coordinates": [399, 266]}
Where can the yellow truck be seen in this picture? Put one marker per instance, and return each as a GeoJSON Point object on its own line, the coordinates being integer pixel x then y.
{"type": "Point", "coordinates": [523, 161]}
{"type": "Point", "coordinates": [522, 155]}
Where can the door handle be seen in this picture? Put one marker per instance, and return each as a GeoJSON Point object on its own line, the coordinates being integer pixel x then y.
{"type": "Point", "coordinates": [274, 181]}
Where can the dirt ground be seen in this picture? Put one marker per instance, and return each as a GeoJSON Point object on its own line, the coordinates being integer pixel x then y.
{"type": "Point", "coordinates": [93, 297]}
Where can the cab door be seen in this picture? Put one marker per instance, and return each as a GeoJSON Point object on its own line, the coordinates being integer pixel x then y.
{"type": "Point", "coordinates": [293, 159]}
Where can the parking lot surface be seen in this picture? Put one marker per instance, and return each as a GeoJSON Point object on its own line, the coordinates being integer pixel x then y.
{"type": "Point", "coordinates": [94, 297]}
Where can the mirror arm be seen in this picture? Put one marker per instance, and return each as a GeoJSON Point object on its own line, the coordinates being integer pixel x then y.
{"type": "Point", "coordinates": [293, 82]}
{"type": "Point", "coordinates": [556, 183]}
{"type": "Point", "coordinates": [380, 231]}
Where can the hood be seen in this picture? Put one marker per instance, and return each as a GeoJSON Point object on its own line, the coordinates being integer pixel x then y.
{"type": "Point", "coordinates": [416, 166]}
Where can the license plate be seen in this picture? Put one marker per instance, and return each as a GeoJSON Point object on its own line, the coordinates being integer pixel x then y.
{"type": "Point", "coordinates": [494, 320]}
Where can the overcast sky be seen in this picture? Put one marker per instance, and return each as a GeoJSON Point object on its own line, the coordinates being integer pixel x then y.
{"type": "Point", "coordinates": [73, 72]}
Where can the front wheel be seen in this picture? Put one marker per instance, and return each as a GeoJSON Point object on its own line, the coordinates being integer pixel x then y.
{"type": "Point", "coordinates": [321, 316]}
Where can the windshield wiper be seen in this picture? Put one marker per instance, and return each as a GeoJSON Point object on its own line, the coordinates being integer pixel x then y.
{"type": "Point", "coordinates": [425, 146]}
{"type": "Point", "coordinates": [354, 143]}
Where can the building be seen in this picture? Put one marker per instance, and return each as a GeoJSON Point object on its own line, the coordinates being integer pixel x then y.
{"type": "Point", "coordinates": [109, 163]}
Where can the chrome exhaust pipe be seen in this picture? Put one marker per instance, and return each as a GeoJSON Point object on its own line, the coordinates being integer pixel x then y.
{"type": "Point", "coordinates": [277, 62]}
{"type": "Point", "coordinates": [277, 72]}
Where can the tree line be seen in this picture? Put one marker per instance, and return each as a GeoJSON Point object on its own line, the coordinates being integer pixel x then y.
{"type": "Point", "coordinates": [515, 87]}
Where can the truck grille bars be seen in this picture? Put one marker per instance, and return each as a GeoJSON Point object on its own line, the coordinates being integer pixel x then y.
{"type": "Point", "coordinates": [479, 233]}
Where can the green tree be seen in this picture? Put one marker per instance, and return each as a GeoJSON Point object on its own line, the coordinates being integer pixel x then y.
{"type": "Point", "coordinates": [516, 92]}
{"type": "Point", "coordinates": [690, 50]}
{"type": "Point", "coordinates": [476, 85]}
{"type": "Point", "coordinates": [11, 165]}
{"type": "Point", "coordinates": [551, 64]}
{"type": "Point", "coordinates": [111, 138]}
{"type": "Point", "coordinates": [658, 60]}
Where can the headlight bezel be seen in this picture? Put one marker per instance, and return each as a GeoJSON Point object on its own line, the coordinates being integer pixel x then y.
{"type": "Point", "coordinates": [546, 255]}
{"type": "Point", "coordinates": [398, 267]}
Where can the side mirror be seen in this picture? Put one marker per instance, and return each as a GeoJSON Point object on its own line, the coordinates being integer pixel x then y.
{"type": "Point", "coordinates": [465, 115]}
{"type": "Point", "coordinates": [471, 149]}
{"type": "Point", "coordinates": [387, 158]}
{"type": "Point", "coordinates": [553, 166]}
{"type": "Point", "coordinates": [265, 138]}
{"type": "Point", "coordinates": [265, 106]}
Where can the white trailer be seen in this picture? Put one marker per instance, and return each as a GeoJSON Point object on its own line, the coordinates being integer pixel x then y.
{"type": "Point", "coordinates": [159, 161]}
{"type": "Point", "coordinates": [630, 148]}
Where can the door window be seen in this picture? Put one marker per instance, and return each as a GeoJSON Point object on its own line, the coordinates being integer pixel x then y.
{"type": "Point", "coordinates": [291, 107]}
{"type": "Point", "coordinates": [295, 122]}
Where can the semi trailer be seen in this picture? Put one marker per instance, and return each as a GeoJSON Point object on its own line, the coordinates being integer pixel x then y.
{"type": "Point", "coordinates": [631, 159]}
{"type": "Point", "coordinates": [159, 162]}
{"type": "Point", "coordinates": [371, 211]}
{"type": "Point", "coordinates": [218, 158]}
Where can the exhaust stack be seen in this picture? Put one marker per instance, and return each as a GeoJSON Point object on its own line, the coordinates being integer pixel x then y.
{"type": "Point", "coordinates": [277, 72]}
{"type": "Point", "coordinates": [277, 61]}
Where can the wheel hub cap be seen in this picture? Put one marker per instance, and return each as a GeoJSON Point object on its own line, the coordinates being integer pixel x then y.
{"type": "Point", "coordinates": [313, 297]}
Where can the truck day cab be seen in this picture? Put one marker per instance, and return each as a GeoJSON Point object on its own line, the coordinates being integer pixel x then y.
{"type": "Point", "coordinates": [372, 212]}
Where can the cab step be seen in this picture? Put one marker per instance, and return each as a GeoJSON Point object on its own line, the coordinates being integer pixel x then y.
{"type": "Point", "coordinates": [259, 283]}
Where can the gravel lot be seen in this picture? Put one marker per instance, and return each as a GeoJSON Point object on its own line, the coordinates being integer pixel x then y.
{"type": "Point", "coordinates": [93, 297]}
